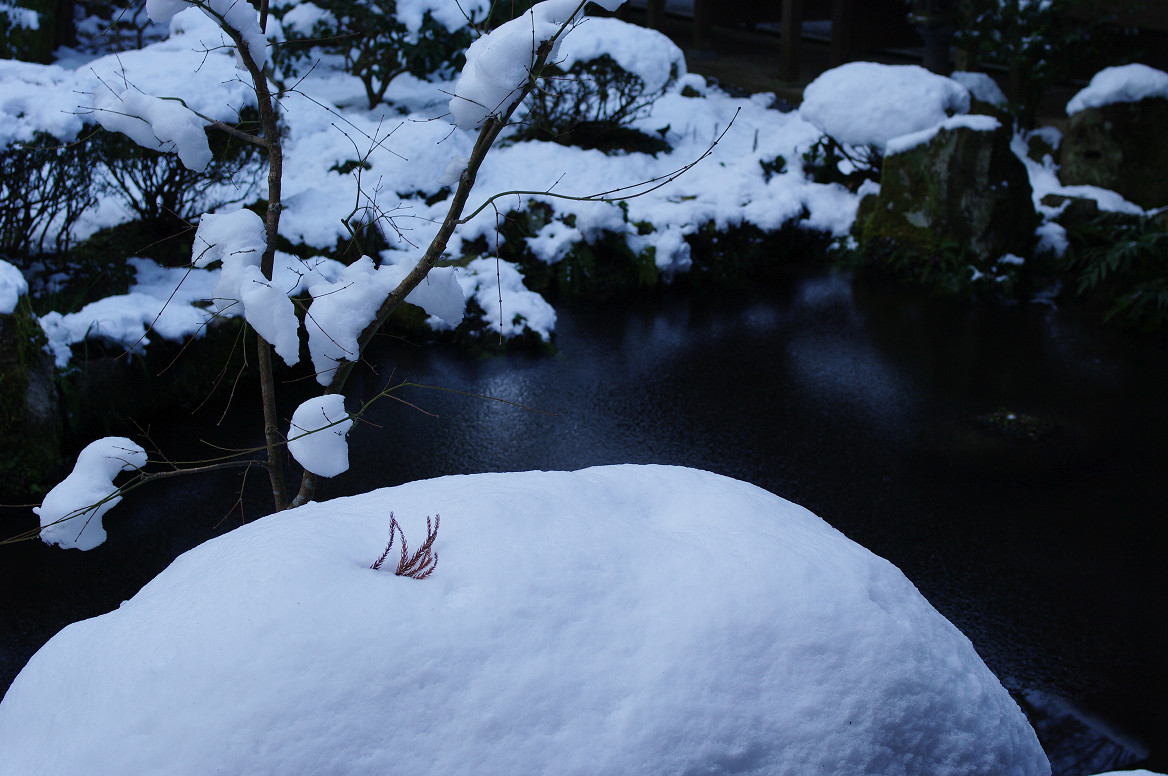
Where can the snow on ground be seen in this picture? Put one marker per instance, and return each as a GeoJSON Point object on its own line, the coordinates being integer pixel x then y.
{"type": "Point", "coordinates": [410, 155]}
{"type": "Point", "coordinates": [618, 619]}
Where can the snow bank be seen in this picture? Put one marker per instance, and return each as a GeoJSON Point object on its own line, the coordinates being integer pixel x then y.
{"type": "Point", "coordinates": [12, 287]}
{"type": "Point", "coordinates": [1126, 83]}
{"type": "Point", "coordinates": [625, 619]}
{"type": "Point", "coordinates": [867, 103]}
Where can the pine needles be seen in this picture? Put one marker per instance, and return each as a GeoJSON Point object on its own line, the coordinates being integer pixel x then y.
{"type": "Point", "coordinates": [423, 562]}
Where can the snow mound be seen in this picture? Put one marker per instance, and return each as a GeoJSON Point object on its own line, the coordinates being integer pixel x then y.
{"type": "Point", "coordinates": [1126, 83]}
{"type": "Point", "coordinates": [624, 619]}
{"type": "Point", "coordinates": [867, 103]}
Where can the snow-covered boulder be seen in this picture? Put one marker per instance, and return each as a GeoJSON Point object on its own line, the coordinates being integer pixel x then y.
{"type": "Point", "coordinates": [1115, 136]}
{"type": "Point", "coordinates": [625, 619]}
{"type": "Point", "coordinates": [956, 184]}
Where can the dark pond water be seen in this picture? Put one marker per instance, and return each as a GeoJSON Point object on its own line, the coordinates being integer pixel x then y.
{"type": "Point", "coordinates": [859, 401]}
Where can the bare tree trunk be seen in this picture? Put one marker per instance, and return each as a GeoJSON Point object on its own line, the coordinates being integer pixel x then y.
{"type": "Point", "coordinates": [270, 128]}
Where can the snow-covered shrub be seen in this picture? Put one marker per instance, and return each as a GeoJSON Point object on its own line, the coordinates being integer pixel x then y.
{"type": "Point", "coordinates": [859, 107]}
{"type": "Point", "coordinates": [45, 187]}
{"type": "Point", "coordinates": [591, 105]}
{"type": "Point", "coordinates": [376, 41]}
{"type": "Point", "coordinates": [593, 93]}
{"type": "Point", "coordinates": [159, 190]}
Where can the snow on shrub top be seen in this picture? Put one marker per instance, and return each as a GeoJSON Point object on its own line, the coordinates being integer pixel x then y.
{"type": "Point", "coordinates": [37, 98]}
{"type": "Point", "coordinates": [647, 54]}
{"type": "Point", "coordinates": [12, 287]}
{"type": "Point", "coordinates": [1126, 83]}
{"type": "Point", "coordinates": [71, 512]}
{"type": "Point", "coordinates": [498, 64]}
{"type": "Point", "coordinates": [867, 103]}
{"type": "Point", "coordinates": [624, 619]}
{"type": "Point", "coordinates": [449, 14]}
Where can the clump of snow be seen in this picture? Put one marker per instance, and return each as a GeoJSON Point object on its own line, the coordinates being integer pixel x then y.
{"type": "Point", "coordinates": [20, 18]}
{"type": "Point", "coordinates": [977, 123]}
{"type": "Point", "coordinates": [154, 123]}
{"type": "Point", "coordinates": [499, 63]}
{"type": "Point", "coordinates": [236, 14]}
{"type": "Point", "coordinates": [1125, 83]}
{"type": "Point", "coordinates": [317, 437]}
{"type": "Point", "coordinates": [343, 308]}
{"type": "Point", "coordinates": [12, 286]}
{"type": "Point", "coordinates": [867, 103]}
{"type": "Point", "coordinates": [617, 619]}
{"type": "Point", "coordinates": [237, 240]}
{"type": "Point", "coordinates": [646, 53]}
{"type": "Point", "coordinates": [71, 512]}
{"type": "Point", "coordinates": [981, 86]}
{"type": "Point", "coordinates": [1052, 238]}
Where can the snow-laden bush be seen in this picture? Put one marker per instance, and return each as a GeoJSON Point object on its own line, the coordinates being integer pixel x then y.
{"type": "Point", "coordinates": [379, 40]}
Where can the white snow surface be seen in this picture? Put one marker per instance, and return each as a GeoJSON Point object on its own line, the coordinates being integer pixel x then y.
{"type": "Point", "coordinates": [12, 287]}
{"type": "Point", "coordinates": [868, 103]}
{"type": "Point", "coordinates": [651, 55]}
{"type": "Point", "coordinates": [1125, 83]}
{"type": "Point", "coordinates": [71, 512]}
{"type": "Point", "coordinates": [619, 619]}
{"type": "Point", "coordinates": [317, 436]}
{"type": "Point", "coordinates": [977, 123]}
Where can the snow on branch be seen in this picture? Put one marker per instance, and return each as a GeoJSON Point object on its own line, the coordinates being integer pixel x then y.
{"type": "Point", "coordinates": [238, 240]}
{"type": "Point", "coordinates": [320, 446]}
{"type": "Point", "coordinates": [71, 512]}
{"type": "Point", "coordinates": [499, 64]}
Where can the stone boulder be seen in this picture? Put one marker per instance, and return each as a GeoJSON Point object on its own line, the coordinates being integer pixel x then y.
{"type": "Point", "coordinates": [956, 188]}
{"type": "Point", "coordinates": [30, 429]}
{"type": "Point", "coordinates": [1119, 146]}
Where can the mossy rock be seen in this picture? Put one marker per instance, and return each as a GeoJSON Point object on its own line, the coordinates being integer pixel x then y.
{"type": "Point", "coordinates": [1121, 147]}
{"type": "Point", "coordinates": [30, 428]}
{"type": "Point", "coordinates": [964, 188]}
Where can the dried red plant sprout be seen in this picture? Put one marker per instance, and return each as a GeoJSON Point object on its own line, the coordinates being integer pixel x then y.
{"type": "Point", "coordinates": [423, 562]}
